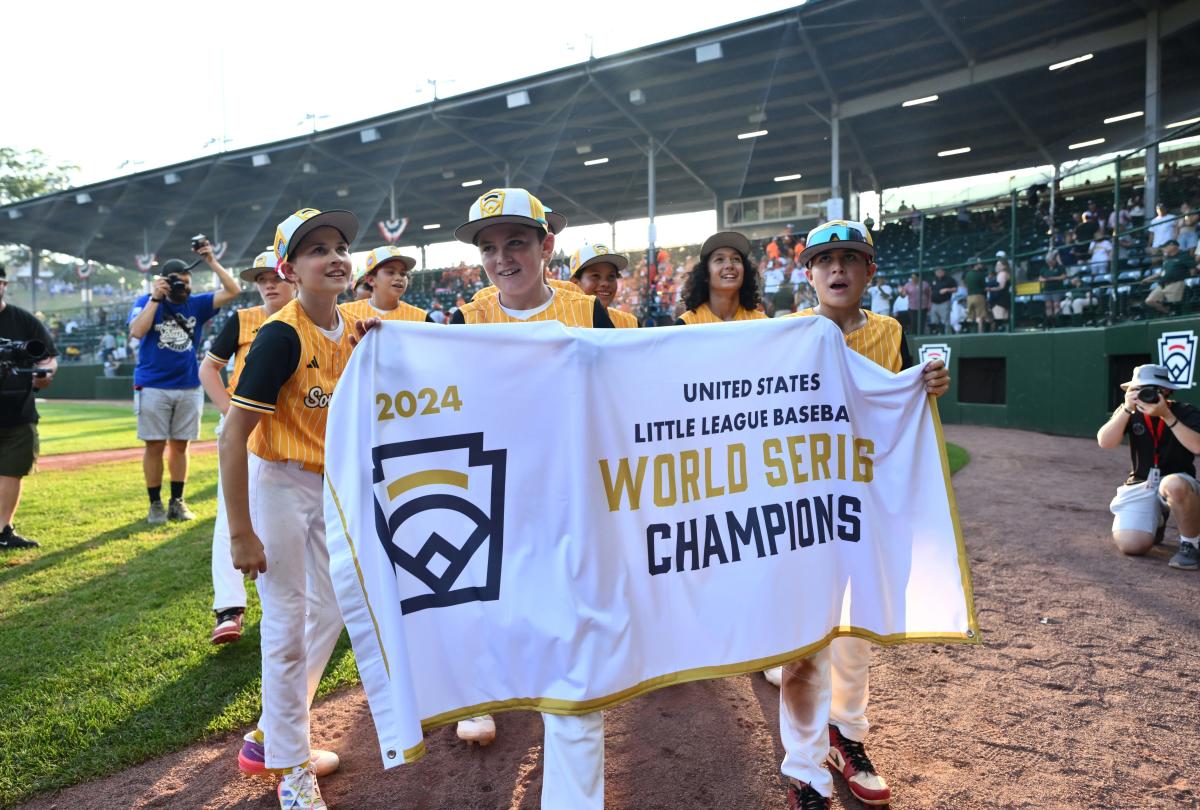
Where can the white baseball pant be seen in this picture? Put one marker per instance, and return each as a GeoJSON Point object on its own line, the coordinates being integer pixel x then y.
{"type": "Point", "coordinates": [830, 686]}
{"type": "Point", "coordinates": [573, 762]}
{"type": "Point", "coordinates": [287, 512]}
{"type": "Point", "coordinates": [229, 586]}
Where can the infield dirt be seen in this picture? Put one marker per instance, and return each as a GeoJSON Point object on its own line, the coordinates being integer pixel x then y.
{"type": "Point", "coordinates": [1084, 693]}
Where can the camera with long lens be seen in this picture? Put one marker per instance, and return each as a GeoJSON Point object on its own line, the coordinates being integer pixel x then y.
{"type": "Point", "coordinates": [179, 287]}
{"type": "Point", "coordinates": [1149, 394]}
{"type": "Point", "coordinates": [18, 357]}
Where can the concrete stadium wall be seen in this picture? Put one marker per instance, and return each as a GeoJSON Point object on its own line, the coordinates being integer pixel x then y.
{"type": "Point", "coordinates": [1063, 382]}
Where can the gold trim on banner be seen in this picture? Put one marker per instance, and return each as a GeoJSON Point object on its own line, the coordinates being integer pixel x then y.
{"type": "Point", "coordinates": [426, 478]}
{"type": "Point", "coordinates": [361, 582]}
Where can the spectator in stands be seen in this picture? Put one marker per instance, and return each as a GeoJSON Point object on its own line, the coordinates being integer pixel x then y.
{"type": "Point", "coordinates": [108, 344]}
{"type": "Point", "coordinates": [436, 313]}
{"type": "Point", "coordinates": [1100, 253]}
{"type": "Point", "coordinates": [1120, 221]}
{"type": "Point", "coordinates": [1069, 252]}
{"type": "Point", "coordinates": [102, 317]}
{"type": "Point", "coordinates": [1164, 438]}
{"type": "Point", "coordinates": [1137, 214]}
{"type": "Point", "coordinates": [1078, 299]}
{"type": "Point", "coordinates": [167, 396]}
{"type": "Point", "coordinates": [880, 293]}
{"type": "Point", "coordinates": [18, 413]}
{"type": "Point", "coordinates": [1188, 220]}
{"type": "Point", "coordinates": [1172, 277]}
{"type": "Point", "coordinates": [999, 294]}
{"type": "Point", "coordinates": [963, 217]}
{"type": "Point", "coordinates": [975, 281]}
{"type": "Point", "coordinates": [1163, 228]}
{"type": "Point", "coordinates": [1053, 275]}
{"type": "Point", "coordinates": [1086, 230]}
{"type": "Point", "coordinates": [870, 223]}
{"type": "Point", "coordinates": [900, 310]}
{"type": "Point", "coordinates": [944, 287]}
{"type": "Point", "coordinates": [919, 293]}
{"type": "Point", "coordinates": [773, 277]}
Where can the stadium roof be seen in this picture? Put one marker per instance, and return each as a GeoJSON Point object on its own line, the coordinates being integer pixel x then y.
{"type": "Point", "coordinates": [785, 73]}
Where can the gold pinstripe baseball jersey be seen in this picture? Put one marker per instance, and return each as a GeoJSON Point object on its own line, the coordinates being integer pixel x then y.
{"type": "Point", "coordinates": [878, 340]}
{"type": "Point", "coordinates": [249, 321]}
{"type": "Point", "coordinates": [702, 314]}
{"type": "Point", "coordinates": [290, 374]}
{"type": "Point", "coordinates": [355, 311]}
{"type": "Point", "coordinates": [621, 319]}
{"type": "Point", "coordinates": [568, 307]}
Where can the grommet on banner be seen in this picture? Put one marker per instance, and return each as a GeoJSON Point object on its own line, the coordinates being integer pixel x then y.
{"type": "Point", "coordinates": [391, 754]}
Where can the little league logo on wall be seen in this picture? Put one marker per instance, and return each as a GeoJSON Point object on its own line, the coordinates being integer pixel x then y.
{"type": "Point", "coordinates": [934, 351]}
{"type": "Point", "coordinates": [447, 494]}
{"type": "Point", "coordinates": [1177, 352]}
{"type": "Point", "coordinates": [392, 229]}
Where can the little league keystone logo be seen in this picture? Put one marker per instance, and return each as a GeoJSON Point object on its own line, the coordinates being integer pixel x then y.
{"type": "Point", "coordinates": [1177, 352]}
{"type": "Point", "coordinates": [439, 513]}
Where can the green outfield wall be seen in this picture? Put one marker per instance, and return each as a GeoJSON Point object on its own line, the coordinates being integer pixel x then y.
{"type": "Point", "coordinates": [1063, 381]}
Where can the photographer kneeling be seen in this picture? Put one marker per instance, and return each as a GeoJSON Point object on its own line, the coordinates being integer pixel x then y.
{"type": "Point", "coordinates": [27, 364]}
{"type": "Point", "coordinates": [1164, 438]}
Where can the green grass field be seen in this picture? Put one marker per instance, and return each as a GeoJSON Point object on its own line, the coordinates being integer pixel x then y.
{"type": "Point", "coordinates": [76, 427]}
{"type": "Point", "coordinates": [105, 631]}
{"type": "Point", "coordinates": [957, 456]}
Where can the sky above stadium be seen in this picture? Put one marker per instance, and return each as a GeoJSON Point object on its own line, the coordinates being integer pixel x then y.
{"type": "Point", "coordinates": [128, 86]}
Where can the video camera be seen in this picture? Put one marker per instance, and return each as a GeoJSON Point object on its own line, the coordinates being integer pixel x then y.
{"type": "Point", "coordinates": [19, 356]}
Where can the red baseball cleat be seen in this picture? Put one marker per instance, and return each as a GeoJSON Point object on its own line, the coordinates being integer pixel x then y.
{"type": "Point", "coordinates": [848, 758]}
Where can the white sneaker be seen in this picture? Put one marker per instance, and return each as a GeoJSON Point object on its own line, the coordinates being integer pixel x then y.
{"type": "Point", "coordinates": [480, 730]}
{"type": "Point", "coordinates": [774, 676]}
{"type": "Point", "coordinates": [298, 790]}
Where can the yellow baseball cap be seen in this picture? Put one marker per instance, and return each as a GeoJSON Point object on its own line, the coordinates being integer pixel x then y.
{"type": "Point", "coordinates": [263, 261]}
{"type": "Point", "coordinates": [508, 205]}
{"type": "Point", "coordinates": [590, 254]}
{"type": "Point", "coordinates": [292, 230]}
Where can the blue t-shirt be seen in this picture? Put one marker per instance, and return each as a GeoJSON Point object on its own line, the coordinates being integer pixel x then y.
{"type": "Point", "coordinates": [167, 353]}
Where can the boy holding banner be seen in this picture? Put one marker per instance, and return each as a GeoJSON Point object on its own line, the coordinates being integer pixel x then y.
{"type": "Point", "coordinates": [515, 238]}
{"type": "Point", "coordinates": [272, 457]}
{"type": "Point", "coordinates": [823, 698]}
{"type": "Point", "coordinates": [598, 272]}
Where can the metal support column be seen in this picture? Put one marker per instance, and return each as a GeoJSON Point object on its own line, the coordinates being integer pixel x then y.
{"type": "Point", "coordinates": [651, 250]}
{"type": "Point", "coordinates": [1153, 87]}
{"type": "Point", "coordinates": [920, 276]}
{"type": "Point", "coordinates": [835, 209]}
{"type": "Point", "coordinates": [1116, 240]}
{"type": "Point", "coordinates": [1012, 260]}
{"type": "Point", "coordinates": [35, 256]}
{"type": "Point", "coordinates": [424, 266]}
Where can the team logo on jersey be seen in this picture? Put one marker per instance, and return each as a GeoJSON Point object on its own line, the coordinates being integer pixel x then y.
{"type": "Point", "coordinates": [934, 351]}
{"type": "Point", "coordinates": [1177, 352]}
{"type": "Point", "coordinates": [439, 513]}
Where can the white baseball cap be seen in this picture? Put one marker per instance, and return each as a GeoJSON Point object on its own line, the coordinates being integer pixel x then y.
{"type": "Point", "coordinates": [263, 261]}
{"type": "Point", "coordinates": [292, 230]}
{"type": "Point", "coordinates": [387, 253]}
{"type": "Point", "coordinates": [590, 254]}
{"type": "Point", "coordinates": [508, 205]}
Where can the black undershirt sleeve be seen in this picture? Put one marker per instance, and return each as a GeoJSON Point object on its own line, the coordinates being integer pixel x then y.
{"type": "Point", "coordinates": [225, 344]}
{"type": "Point", "coordinates": [600, 319]}
{"type": "Point", "coordinates": [680, 322]}
{"type": "Point", "coordinates": [905, 357]}
{"type": "Point", "coordinates": [429, 318]}
{"type": "Point", "coordinates": [457, 318]}
{"type": "Point", "coordinates": [270, 363]}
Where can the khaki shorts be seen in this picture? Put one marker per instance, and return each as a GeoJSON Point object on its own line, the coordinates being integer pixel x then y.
{"type": "Point", "coordinates": [18, 450]}
{"type": "Point", "coordinates": [977, 308]}
{"type": "Point", "coordinates": [168, 413]}
{"type": "Point", "coordinates": [1136, 508]}
{"type": "Point", "coordinates": [1173, 293]}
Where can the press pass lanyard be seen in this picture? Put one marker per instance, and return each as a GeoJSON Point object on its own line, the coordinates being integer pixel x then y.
{"type": "Point", "coordinates": [1155, 436]}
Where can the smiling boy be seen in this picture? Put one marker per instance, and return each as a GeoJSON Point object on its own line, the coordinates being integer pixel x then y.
{"type": "Point", "coordinates": [597, 272]}
{"type": "Point", "coordinates": [387, 275]}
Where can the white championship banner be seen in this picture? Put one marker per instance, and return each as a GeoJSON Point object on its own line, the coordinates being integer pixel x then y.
{"type": "Point", "coordinates": [536, 517]}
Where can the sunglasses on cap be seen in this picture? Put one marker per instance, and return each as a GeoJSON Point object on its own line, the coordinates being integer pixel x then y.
{"type": "Point", "coordinates": [838, 233]}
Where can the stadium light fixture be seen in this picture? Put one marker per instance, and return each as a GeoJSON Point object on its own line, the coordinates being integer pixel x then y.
{"type": "Point", "coordinates": [1183, 123]}
{"type": "Point", "coordinates": [637, 96]}
{"type": "Point", "coordinates": [83, 198]}
{"type": "Point", "coordinates": [707, 53]}
{"type": "Point", "coordinates": [433, 226]}
{"type": "Point", "coordinates": [469, 183]}
{"type": "Point", "coordinates": [1124, 117]}
{"type": "Point", "coordinates": [518, 99]}
{"type": "Point", "coordinates": [344, 191]}
{"type": "Point", "coordinates": [308, 168]}
{"type": "Point", "coordinates": [258, 207]}
{"type": "Point", "coordinates": [912, 102]}
{"type": "Point", "coordinates": [1069, 62]}
{"type": "Point", "coordinates": [583, 148]}
{"type": "Point", "coordinates": [595, 161]}
{"type": "Point", "coordinates": [756, 134]}
{"type": "Point", "coordinates": [14, 214]}
{"type": "Point", "coordinates": [170, 223]}
{"type": "Point", "coordinates": [783, 178]}
{"type": "Point", "coordinates": [757, 118]}
{"type": "Point", "coordinates": [171, 178]}
{"type": "Point", "coordinates": [261, 159]}
{"type": "Point", "coordinates": [962, 150]}
{"type": "Point", "coordinates": [448, 174]}
{"type": "Point", "coordinates": [369, 135]}
{"type": "Point", "coordinates": [1084, 144]}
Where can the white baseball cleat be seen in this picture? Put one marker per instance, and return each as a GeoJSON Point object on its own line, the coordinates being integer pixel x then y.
{"type": "Point", "coordinates": [481, 730]}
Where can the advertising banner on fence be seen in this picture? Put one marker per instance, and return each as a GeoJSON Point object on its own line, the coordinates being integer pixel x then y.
{"type": "Point", "coordinates": [536, 517]}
